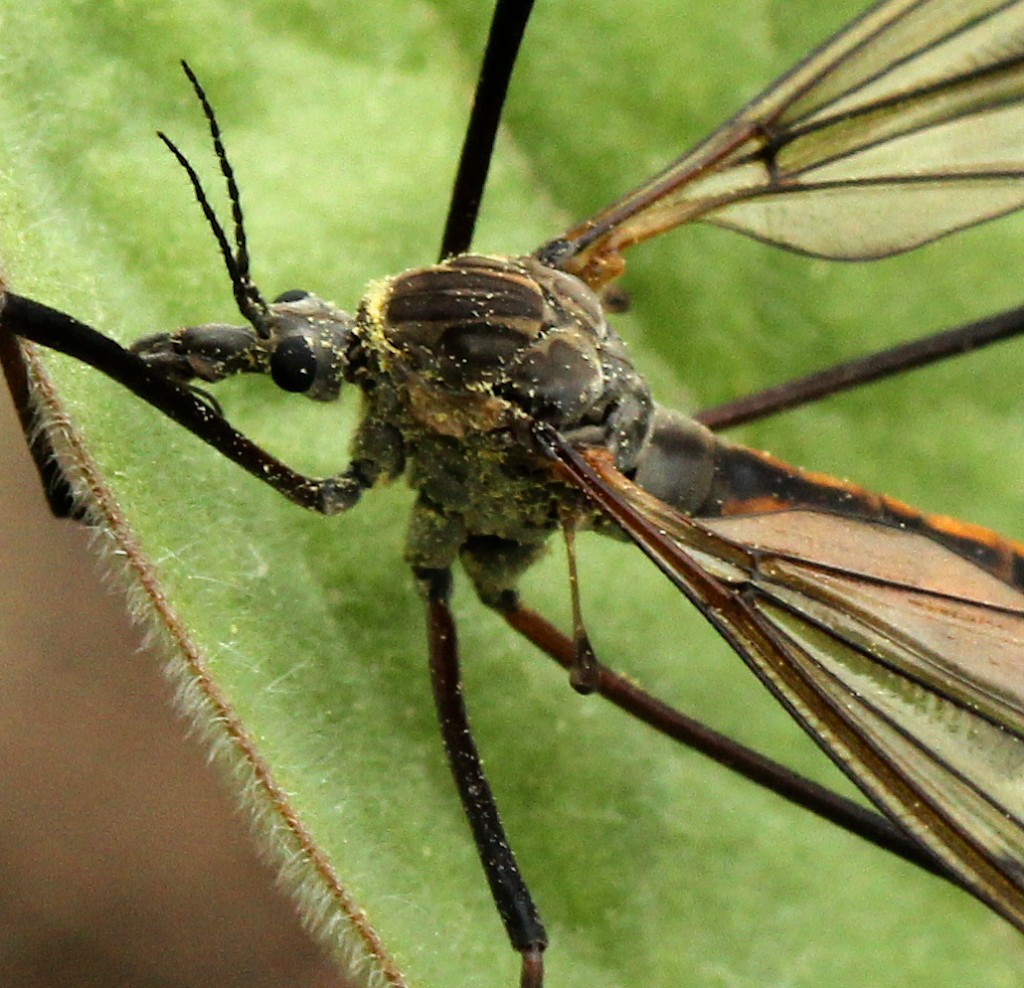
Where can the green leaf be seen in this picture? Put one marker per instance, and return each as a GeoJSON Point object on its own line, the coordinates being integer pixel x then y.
{"type": "Point", "coordinates": [343, 122]}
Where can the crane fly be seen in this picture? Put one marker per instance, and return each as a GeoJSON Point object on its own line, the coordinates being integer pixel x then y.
{"type": "Point", "coordinates": [498, 389]}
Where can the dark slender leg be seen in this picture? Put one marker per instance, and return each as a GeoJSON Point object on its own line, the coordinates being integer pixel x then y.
{"type": "Point", "coordinates": [627, 696]}
{"type": "Point", "coordinates": [507, 26]}
{"type": "Point", "coordinates": [65, 334]}
{"type": "Point", "coordinates": [56, 486]}
{"type": "Point", "coordinates": [864, 370]}
{"type": "Point", "coordinates": [511, 896]}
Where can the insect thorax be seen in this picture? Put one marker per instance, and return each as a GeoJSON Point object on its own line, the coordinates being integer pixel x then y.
{"type": "Point", "coordinates": [455, 361]}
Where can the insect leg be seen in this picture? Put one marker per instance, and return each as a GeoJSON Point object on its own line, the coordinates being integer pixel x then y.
{"type": "Point", "coordinates": [56, 486]}
{"type": "Point", "coordinates": [506, 33]}
{"type": "Point", "coordinates": [59, 331]}
{"type": "Point", "coordinates": [508, 889]}
{"type": "Point", "coordinates": [864, 370]}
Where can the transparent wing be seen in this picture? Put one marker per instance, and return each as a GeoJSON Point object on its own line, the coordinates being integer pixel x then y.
{"type": "Point", "coordinates": [905, 126]}
{"type": "Point", "coordinates": [901, 658]}
{"type": "Point", "coordinates": [912, 680]}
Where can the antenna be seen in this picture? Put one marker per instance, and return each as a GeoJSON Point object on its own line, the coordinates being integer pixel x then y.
{"type": "Point", "coordinates": [247, 296]}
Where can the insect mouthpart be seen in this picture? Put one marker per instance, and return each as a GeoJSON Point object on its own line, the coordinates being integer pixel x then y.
{"type": "Point", "coordinates": [302, 342]}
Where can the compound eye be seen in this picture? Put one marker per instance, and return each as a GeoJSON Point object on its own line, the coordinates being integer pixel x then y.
{"type": "Point", "coordinates": [292, 295]}
{"type": "Point", "coordinates": [293, 365]}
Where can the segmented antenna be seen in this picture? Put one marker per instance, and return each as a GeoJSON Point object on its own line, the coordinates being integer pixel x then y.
{"type": "Point", "coordinates": [247, 296]}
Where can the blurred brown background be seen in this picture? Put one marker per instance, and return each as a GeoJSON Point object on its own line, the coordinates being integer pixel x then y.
{"type": "Point", "coordinates": [122, 861]}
